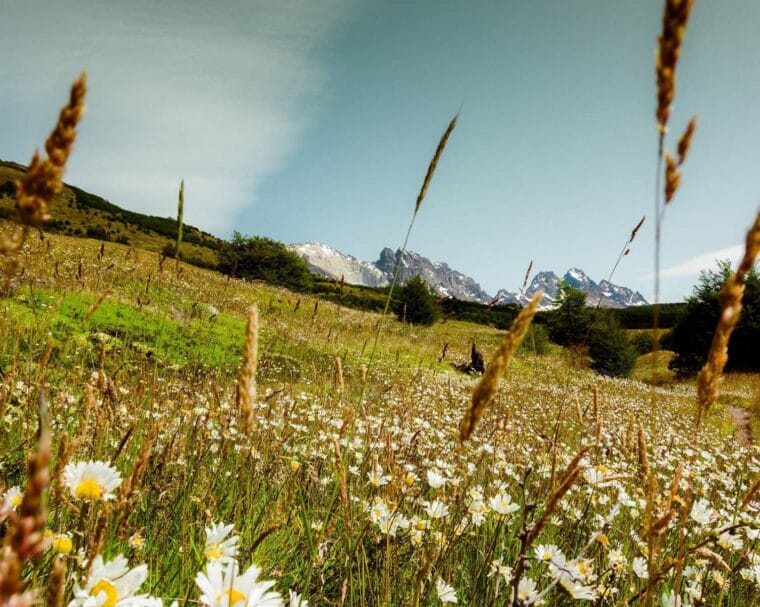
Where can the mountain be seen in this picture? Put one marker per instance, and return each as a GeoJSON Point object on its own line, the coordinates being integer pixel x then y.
{"type": "Point", "coordinates": [448, 282]}
{"type": "Point", "coordinates": [76, 212]}
{"type": "Point", "coordinates": [326, 261]}
{"type": "Point", "coordinates": [439, 275]}
{"type": "Point", "coordinates": [605, 294]}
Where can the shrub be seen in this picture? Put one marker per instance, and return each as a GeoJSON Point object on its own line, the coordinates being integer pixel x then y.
{"type": "Point", "coordinates": [569, 323]}
{"type": "Point", "coordinates": [416, 303]}
{"type": "Point", "coordinates": [610, 350]}
{"type": "Point", "coordinates": [259, 258]}
{"type": "Point", "coordinates": [536, 340]}
{"type": "Point", "coordinates": [642, 342]}
{"type": "Point", "coordinates": [691, 337]}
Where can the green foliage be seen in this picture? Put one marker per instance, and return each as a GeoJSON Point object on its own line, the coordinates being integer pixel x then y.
{"type": "Point", "coordinates": [569, 324]}
{"type": "Point", "coordinates": [611, 351]}
{"type": "Point", "coordinates": [691, 337]}
{"type": "Point", "coordinates": [642, 342]}
{"type": "Point", "coordinates": [536, 340]}
{"type": "Point", "coordinates": [641, 317]}
{"type": "Point", "coordinates": [416, 303]}
{"type": "Point", "coordinates": [259, 258]}
{"type": "Point", "coordinates": [165, 226]}
{"type": "Point", "coordinates": [8, 188]}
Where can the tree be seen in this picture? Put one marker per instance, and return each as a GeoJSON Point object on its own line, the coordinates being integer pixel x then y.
{"type": "Point", "coordinates": [259, 258]}
{"type": "Point", "coordinates": [691, 337]}
{"type": "Point", "coordinates": [612, 353]}
{"type": "Point", "coordinates": [569, 324]}
{"type": "Point", "coordinates": [416, 303]}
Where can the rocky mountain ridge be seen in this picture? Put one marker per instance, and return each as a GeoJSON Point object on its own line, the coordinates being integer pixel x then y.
{"type": "Point", "coordinates": [329, 262]}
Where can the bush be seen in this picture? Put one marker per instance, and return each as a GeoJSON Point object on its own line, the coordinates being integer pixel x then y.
{"type": "Point", "coordinates": [536, 340]}
{"type": "Point", "coordinates": [416, 303]}
{"type": "Point", "coordinates": [569, 323]}
{"type": "Point", "coordinates": [258, 258]}
{"type": "Point", "coordinates": [691, 337]}
{"type": "Point", "coordinates": [610, 350]}
{"type": "Point", "coordinates": [642, 342]}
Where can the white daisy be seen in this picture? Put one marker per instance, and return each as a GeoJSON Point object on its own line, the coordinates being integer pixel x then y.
{"type": "Point", "coordinates": [701, 512]}
{"type": "Point", "coordinates": [446, 593]}
{"type": "Point", "coordinates": [435, 480]}
{"type": "Point", "coordinates": [12, 498]}
{"type": "Point", "coordinates": [436, 509]}
{"type": "Point", "coordinates": [222, 586]}
{"type": "Point", "coordinates": [218, 546]}
{"type": "Point", "coordinates": [295, 600]}
{"type": "Point", "coordinates": [92, 480]}
{"type": "Point", "coordinates": [502, 504]}
{"type": "Point", "coordinates": [112, 584]}
{"type": "Point", "coordinates": [639, 566]}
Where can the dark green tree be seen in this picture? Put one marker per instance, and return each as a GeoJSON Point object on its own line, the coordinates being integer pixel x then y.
{"type": "Point", "coordinates": [691, 337]}
{"type": "Point", "coordinates": [611, 352]}
{"type": "Point", "coordinates": [259, 258]}
{"type": "Point", "coordinates": [569, 324]}
{"type": "Point", "coordinates": [416, 303]}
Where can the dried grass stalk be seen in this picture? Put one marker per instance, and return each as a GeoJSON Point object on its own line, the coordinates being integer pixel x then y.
{"type": "Point", "coordinates": [56, 584]}
{"type": "Point", "coordinates": [43, 179]}
{"type": "Point", "coordinates": [731, 294]}
{"type": "Point", "coordinates": [246, 386]}
{"type": "Point", "coordinates": [674, 20]}
{"type": "Point", "coordinates": [24, 539]}
{"type": "Point", "coordinates": [491, 379]}
{"type": "Point", "coordinates": [684, 142]}
{"type": "Point", "coordinates": [434, 162]}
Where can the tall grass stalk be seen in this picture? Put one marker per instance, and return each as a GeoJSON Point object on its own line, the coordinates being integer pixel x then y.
{"type": "Point", "coordinates": [180, 212]}
{"type": "Point", "coordinates": [420, 197]}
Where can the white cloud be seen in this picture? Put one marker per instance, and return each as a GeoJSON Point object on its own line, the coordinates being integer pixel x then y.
{"type": "Point", "coordinates": [217, 93]}
{"type": "Point", "coordinates": [704, 261]}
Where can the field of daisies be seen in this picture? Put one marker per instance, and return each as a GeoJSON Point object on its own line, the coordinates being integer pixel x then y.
{"type": "Point", "coordinates": [350, 486]}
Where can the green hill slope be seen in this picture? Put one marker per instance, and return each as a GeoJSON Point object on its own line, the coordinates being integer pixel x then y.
{"type": "Point", "coordinates": [76, 212]}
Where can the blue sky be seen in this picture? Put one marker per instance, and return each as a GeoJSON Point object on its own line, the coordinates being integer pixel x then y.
{"type": "Point", "coordinates": [316, 121]}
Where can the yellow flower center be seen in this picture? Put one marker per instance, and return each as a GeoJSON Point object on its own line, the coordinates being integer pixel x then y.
{"type": "Point", "coordinates": [213, 551]}
{"type": "Point", "coordinates": [108, 589]}
{"type": "Point", "coordinates": [88, 490]}
{"type": "Point", "coordinates": [235, 596]}
{"type": "Point", "coordinates": [62, 544]}
{"type": "Point", "coordinates": [16, 500]}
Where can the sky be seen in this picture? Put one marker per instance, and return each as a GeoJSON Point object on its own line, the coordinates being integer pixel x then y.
{"type": "Point", "coordinates": [316, 120]}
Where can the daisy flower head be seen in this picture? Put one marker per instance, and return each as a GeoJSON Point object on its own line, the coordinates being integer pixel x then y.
{"type": "Point", "coordinates": [295, 600]}
{"type": "Point", "coordinates": [502, 504]}
{"type": "Point", "coordinates": [547, 552]}
{"type": "Point", "coordinates": [112, 584]}
{"type": "Point", "coordinates": [436, 509]}
{"type": "Point", "coordinates": [446, 593]}
{"type": "Point", "coordinates": [61, 543]}
{"type": "Point", "coordinates": [12, 499]}
{"type": "Point", "coordinates": [224, 586]}
{"type": "Point", "coordinates": [92, 481]}
{"type": "Point", "coordinates": [220, 547]}
{"type": "Point", "coordinates": [435, 479]}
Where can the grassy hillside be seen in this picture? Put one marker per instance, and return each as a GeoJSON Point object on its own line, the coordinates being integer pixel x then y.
{"type": "Point", "coordinates": [79, 213]}
{"type": "Point", "coordinates": [352, 483]}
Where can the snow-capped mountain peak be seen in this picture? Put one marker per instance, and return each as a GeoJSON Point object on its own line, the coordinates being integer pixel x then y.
{"type": "Point", "coordinates": [447, 282]}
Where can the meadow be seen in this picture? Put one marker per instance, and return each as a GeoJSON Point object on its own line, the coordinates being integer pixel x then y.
{"type": "Point", "coordinates": [352, 487]}
{"type": "Point", "coordinates": [173, 435]}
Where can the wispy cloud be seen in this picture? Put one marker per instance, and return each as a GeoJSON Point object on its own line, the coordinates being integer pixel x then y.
{"type": "Point", "coordinates": [704, 261]}
{"type": "Point", "coordinates": [219, 94]}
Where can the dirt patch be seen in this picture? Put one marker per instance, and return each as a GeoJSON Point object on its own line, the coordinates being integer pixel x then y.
{"type": "Point", "coordinates": [740, 418]}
